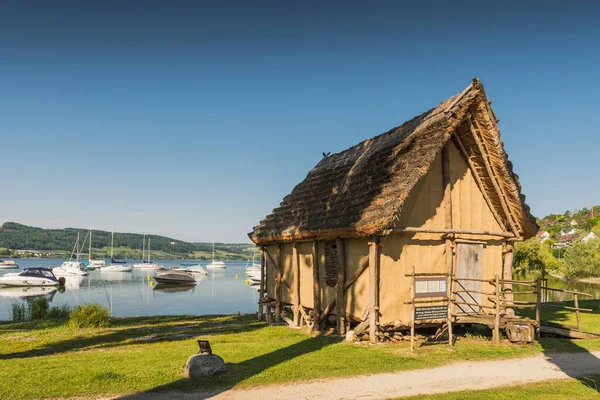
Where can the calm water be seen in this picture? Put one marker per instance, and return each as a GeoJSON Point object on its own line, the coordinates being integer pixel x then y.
{"type": "Point", "coordinates": [131, 293]}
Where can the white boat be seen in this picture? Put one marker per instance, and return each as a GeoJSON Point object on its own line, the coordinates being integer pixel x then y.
{"type": "Point", "coordinates": [92, 264]}
{"type": "Point", "coordinates": [70, 268]}
{"type": "Point", "coordinates": [8, 264]}
{"type": "Point", "coordinates": [175, 278]}
{"type": "Point", "coordinates": [115, 267]}
{"type": "Point", "coordinates": [32, 277]}
{"type": "Point", "coordinates": [97, 263]}
{"type": "Point", "coordinates": [147, 264]}
{"type": "Point", "coordinates": [215, 264]}
{"type": "Point", "coordinates": [196, 269]}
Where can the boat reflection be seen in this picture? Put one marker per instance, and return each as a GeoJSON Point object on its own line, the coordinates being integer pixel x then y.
{"type": "Point", "coordinates": [23, 292]}
{"type": "Point", "coordinates": [173, 288]}
{"type": "Point", "coordinates": [73, 282]}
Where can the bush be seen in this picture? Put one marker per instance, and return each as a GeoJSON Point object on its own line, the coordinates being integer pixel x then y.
{"type": "Point", "coordinates": [38, 308]}
{"type": "Point", "coordinates": [583, 259]}
{"type": "Point", "coordinates": [59, 312]}
{"type": "Point", "coordinates": [19, 312]}
{"type": "Point", "coordinates": [91, 315]}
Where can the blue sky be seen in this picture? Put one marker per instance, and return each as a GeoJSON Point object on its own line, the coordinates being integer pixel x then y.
{"type": "Point", "coordinates": [194, 120]}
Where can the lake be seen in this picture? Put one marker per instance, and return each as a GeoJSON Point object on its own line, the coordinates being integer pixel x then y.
{"type": "Point", "coordinates": [134, 294]}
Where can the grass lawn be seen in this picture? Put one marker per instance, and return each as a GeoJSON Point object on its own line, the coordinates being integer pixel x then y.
{"type": "Point", "coordinates": [148, 354]}
{"type": "Point", "coordinates": [583, 389]}
{"type": "Point", "coordinates": [590, 321]}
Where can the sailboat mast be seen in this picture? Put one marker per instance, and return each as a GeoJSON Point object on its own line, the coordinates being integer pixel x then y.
{"type": "Point", "coordinates": [213, 249]}
{"type": "Point", "coordinates": [143, 247]}
{"type": "Point", "coordinates": [148, 253]}
{"type": "Point", "coordinates": [112, 243]}
{"type": "Point", "coordinates": [90, 246]}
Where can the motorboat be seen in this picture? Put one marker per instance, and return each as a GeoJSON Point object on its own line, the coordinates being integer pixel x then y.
{"type": "Point", "coordinates": [32, 277]}
{"type": "Point", "coordinates": [9, 264]}
{"type": "Point", "coordinates": [175, 278]}
{"type": "Point", "coordinates": [117, 268]}
{"type": "Point", "coordinates": [70, 268]}
{"type": "Point", "coordinates": [149, 265]}
{"type": "Point", "coordinates": [196, 269]}
{"type": "Point", "coordinates": [23, 292]}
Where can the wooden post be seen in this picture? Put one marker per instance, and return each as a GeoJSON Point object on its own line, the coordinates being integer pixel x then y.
{"type": "Point", "coordinates": [316, 286]}
{"type": "Point", "coordinates": [448, 225]}
{"type": "Point", "coordinates": [412, 310]}
{"type": "Point", "coordinates": [261, 290]}
{"type": "Point", "coordinates": [340, 287]}
{"type": "Point", "coordinates": [507, 275]}
{"type": "Point", "coordinates": [373, 289]}
{"type": "Point", "coordinates": [278, 280]}
{"type": "Point", "coordinates": [538, 305]}
{"type": "Point", "coordinates": [576, 301]}
{"type": "Point", "coordinates": [497, 316]}
{"type": "Point", "coordinates": [296, 269]}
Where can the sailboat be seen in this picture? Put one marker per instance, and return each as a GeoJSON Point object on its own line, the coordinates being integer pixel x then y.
{"type": "Point", "coordinates": [147, 264]}
{"type": "Point", "coordinates": [94, 263]}
{"type": "Point", "coordinates": [71, 267]}
{"type": "Point", "coordinates": [118, 267]}
{"type": "Point", "coordinates": [215, 264]}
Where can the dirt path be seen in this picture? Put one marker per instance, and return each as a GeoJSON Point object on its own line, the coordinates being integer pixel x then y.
{"type": "Point", "coordinates": [454, 377]}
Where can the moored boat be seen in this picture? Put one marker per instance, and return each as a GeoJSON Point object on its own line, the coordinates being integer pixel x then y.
{"type": "Point", "coordinates": [32, 277]}
{"type": "Point", "coordinates": [70, 268]}
{"type": "Point", "coordinates": [215, 264]}
{"type": "Point", "coordinates": [8, 264]}
{"type": "Point", "coordinates": [115, 266]}
{"type": "Point", "coordinates": [175, 278]}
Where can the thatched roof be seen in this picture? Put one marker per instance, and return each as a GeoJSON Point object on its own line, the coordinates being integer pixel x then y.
{"type": "Point", "coordinates": [361, 191]}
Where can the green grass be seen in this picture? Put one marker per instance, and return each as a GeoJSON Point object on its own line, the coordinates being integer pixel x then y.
{"type": "Point", "coordinates": [582, 389]}
{"type": "Point", "coordinates": [590, 321]}
{"type": "Point", "coordinates": [148, 354]}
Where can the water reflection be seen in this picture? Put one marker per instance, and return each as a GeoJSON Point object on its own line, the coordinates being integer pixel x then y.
{"type": "Point", "coordinates": [135, 293]}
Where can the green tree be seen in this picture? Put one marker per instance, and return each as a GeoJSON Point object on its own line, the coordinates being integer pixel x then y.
{"type": "Point", "coordinates": [534, 256]}
{"type": "Point", "coordinates": [583, 259]}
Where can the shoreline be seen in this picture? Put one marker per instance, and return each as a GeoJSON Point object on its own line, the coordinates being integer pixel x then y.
{"type": "Point", "coordinates": [594, 280]}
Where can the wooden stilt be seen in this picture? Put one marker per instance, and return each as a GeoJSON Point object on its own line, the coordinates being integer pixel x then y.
{"type": "Point", "coordinates": [340, 287]}
{"type": "Point", "coordinates": [496, 336]}
{"type": "Point", "coordinates": [296, 269]}
{"type": "Point", "coordinates": [316, 286]}
{"type": "Point", "coordinates": [373, 289]}
{"type": "Point", "coordinates": [278, 280]}
{"type": "Point", "coordinates": [507, 271]}
{"type": "Point", "coordinates": [538, 305]}
{"type": "Point", "coordinates": [447, 187]}
{"type": "Point", "coordinates": [412, 318]}
{"type": "Point", "coordinates": [577, 315]}
{"type": "Point", "coordinates": [261, 290]}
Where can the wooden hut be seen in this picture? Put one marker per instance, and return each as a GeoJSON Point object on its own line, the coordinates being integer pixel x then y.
{"type": "Point", "coordinates": [376, 234]}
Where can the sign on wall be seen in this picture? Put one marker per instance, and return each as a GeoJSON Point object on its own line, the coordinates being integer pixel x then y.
{"type": "Point", "coordinates": [430, 287]}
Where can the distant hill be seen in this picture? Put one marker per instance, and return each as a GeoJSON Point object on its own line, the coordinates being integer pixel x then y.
{"type": "Point", "coordinates": [16, 236]}
{"type": "Point", "coordinates": [586, 219]}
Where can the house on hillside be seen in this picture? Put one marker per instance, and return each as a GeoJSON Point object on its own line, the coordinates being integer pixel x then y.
{"type": "Point", "coordinates": [589, 236]}
{"type": "Point", "coordinates": [574, 224]}
{"type": "Point", "coordinates": [565, 241]}
{"type": "Point", "coordinates": [567, 231]}
{"type": "Point", "coordinates": [543, 236]}
{"type": "Point", "coordinates": [395, 218]}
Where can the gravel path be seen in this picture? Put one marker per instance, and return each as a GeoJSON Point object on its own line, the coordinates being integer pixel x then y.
{"type": "Point", "coordinates": [454, 377]}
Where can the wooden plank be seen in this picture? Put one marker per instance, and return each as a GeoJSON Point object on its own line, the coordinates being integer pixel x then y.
{"type": "Point", "coordinates": [357, 274]}
{"type": "Point", "coordinates": [326, 311]}
{"type": "Point", "coordinates": [340, 286]}
{"type": "Point", "coordinates": [278, 291]}
{"type": "Point", "coordinates": [569, 332]}
{"type": "Point", "coordinates": [316, 286]}
{"type": "Point", "coordinates": [493, 177]}
{"type": "Point", "coordinates": [296, 269]}
{"type": "Point", "coordinates": [261, 290]}
{"type": "Point", "coordinates": [446, 231]}
{"type": "Point", "coordinates": [413, 292]}
{"type": "Point", "coordinates": [276, 265]}
{"type": "Point", "coordinates": [373, 289]}
{"type": "Point", "coordinates": [497, 312]}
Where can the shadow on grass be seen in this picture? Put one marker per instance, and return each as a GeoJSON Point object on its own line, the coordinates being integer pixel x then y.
{"type": "Point", "coordinates": [131, 331]}
{"type": "Point", "coordinates": [238, 372]}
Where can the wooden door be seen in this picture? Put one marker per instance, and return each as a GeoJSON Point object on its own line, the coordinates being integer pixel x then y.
{"type": "Point", "coordinates": [469, 257]}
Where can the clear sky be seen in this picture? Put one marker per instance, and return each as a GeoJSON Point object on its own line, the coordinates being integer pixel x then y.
{"type": "Point", "coordinates": [194, 119]}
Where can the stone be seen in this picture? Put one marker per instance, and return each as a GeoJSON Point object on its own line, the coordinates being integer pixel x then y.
{"type": "Point", "coordinates": [200, 365]}
{"type": "Point", "coordinates": [520, 332]}
{"type": "Point", "coordinates": [350, 336]}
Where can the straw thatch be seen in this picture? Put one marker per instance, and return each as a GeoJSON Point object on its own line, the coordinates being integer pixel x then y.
{"type": "Point", "coordinates": [361, 191]}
